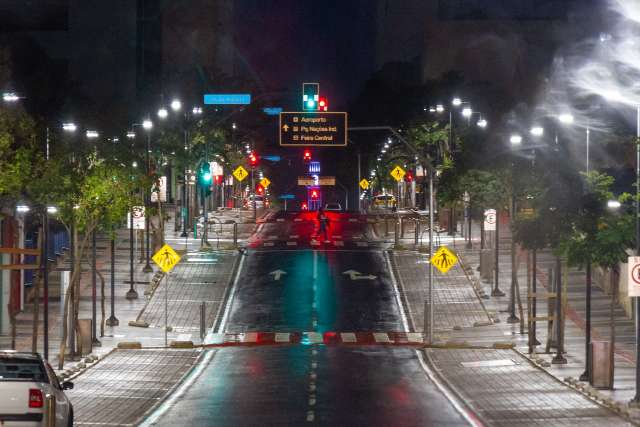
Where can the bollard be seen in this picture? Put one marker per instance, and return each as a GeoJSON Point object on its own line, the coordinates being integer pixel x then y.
{"type": "Point", "coordinates": [203, 316]}
{"type": "Point", "coordinates": [427, 317]}
{"type": "Point", "coordinates": [50, 401]}
{"type": "Point", "coordinates": [396, 233]}
{"type": "Point", "coordinates": [235, 234]}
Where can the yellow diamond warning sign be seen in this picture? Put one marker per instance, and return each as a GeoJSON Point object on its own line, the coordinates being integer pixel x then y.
{"type": "Point", "coordinates": [398, 173]}
{"type": "Point", "coordinates": [444, 259]}
{"type": "Point", "coordinates": [166, 258]}
{"type": "Point", "coordinates": [265, 182]}
{"type": "Point", "coordinates": [364, 184]}
{"type": "Point", "coordinates": [240, 173]}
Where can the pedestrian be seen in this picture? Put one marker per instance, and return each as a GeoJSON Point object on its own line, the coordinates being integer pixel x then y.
{"type": "Point", "coordinates": [323, 225]}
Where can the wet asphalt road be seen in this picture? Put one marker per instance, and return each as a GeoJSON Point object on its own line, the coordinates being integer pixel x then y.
{"type": "Point", "coordinates": [313, 384]}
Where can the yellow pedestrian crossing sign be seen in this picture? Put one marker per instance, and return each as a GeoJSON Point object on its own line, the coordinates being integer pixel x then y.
{"type": "Point", "coordinates": [265, 182]}
{"type": "Point", "coordinates": [240, 173]}
{"type": "Point", "coordinates": [364, 184]}
{"type": "Point", "coordinates": [443, 259]}
{"type": "Point", "coordinates": [398, 173]}
{"type": "Point", "coordinates": [166, 258]}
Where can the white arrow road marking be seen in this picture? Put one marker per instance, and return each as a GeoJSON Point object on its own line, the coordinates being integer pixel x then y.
{"type": "Point", "coordinates": [356, 275]}
{"type": "Point", "coordinates": [277, 274]}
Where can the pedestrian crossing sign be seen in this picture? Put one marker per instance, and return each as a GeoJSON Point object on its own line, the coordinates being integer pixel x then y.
{"type": "Point", "coordinates": [398, 173]}
{"type": "Point", "coordinates": [240, 173]}
{"type": "Point", "coordinates": [364, 184]}
{"type": "Point", "coordinates": [166, 258]}
{"type": "Point", "coordinates": [443, 259]}
{"type": "Point", "coordinates": [265, 182]}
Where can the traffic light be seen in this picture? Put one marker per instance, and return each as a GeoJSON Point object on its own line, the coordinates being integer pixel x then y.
{"type": "Point", "coordinates": [323, 104]}
{"type": "Point", "coordinates": [409, 176]}
{"type": "Point", "coordinates": [310, 96]}
{"type": "Point", "coordinates": [259, 189]}
{"type": "Point", "coordinates": [306, 156]}
{"type": "Point", "coordinates": [204, 175]}
{"type": "Point", "coordinates": [315, 195]}
{"type": "Point", "coordinates": [253, 159]}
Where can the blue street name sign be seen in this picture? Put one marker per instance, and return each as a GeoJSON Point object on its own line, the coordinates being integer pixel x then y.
{"type": "Point", "coordinates": [272, 111]}
{"type": "Point", "coordinates": [272, 158]}
{"type": "Point", "coordinates": [287, 197]}
{"type": "Point", "coordinates": [227, 98]}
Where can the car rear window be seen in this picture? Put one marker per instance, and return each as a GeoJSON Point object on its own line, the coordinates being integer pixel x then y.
{"type": "Point", "coordinates": [21, 369]}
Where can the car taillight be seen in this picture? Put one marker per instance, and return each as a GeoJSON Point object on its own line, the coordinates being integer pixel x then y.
{"type": "Point", "coordinates": [36, 399]}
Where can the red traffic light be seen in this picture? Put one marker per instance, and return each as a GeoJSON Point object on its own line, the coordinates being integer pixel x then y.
{"type": "Point", "coordinates": [304, 206]}
{"type": "Point", "coordinates": [323, 104]}
{"type": "Point", "coordinates": [253, 159]}
{"type": "Point", "coordinates": [409, 176]}
{"type": "Point", "coordinates": [259, 189]}
{"type": "Point", "coordinates": [307, 156]}
{"type": "Point", "coordinates": [314, 195]}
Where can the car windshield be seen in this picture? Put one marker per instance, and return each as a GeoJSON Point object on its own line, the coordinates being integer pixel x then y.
{"type": "Point", "coordinates": [21, 369]}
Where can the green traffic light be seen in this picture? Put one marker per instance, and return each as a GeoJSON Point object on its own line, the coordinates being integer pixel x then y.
{"type": "Point", "coordinates": [206, 177]}
{"type": "Point", "coordinates": [311, 103]}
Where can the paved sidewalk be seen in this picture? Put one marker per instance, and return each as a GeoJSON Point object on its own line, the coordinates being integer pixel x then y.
{"type": "Point", "coordinates": [505, 389]}
{"type": "Point", "coordinates": [122, 388]}
{"type": "Point", "coordinates": [412, 271]}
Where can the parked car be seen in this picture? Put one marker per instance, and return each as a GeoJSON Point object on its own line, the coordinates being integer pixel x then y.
{"type": "Point", "coordinates": [333, 207]}
{"type": "Point", "coordinates": [384, 201]}
{"type": "Point", "coordinates": [26, 382]}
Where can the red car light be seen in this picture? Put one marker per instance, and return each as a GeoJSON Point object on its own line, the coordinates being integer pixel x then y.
{"type": "Point", "coordinates": [36, 399]}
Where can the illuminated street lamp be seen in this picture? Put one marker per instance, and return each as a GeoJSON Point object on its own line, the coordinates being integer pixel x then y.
{"type": "Point", "coordinates": [163, 113]}
{"type": "Point", "coordinates": [537, 131]}
{"type": "Point", "coordinates": [176, 105]}
{"type": "Point", "coordinates": [439, 108]}
{"type": "Point", "coordinates": [131, 134]}
{"type": "Point", "coordinates": [456, 102]}
{"type": "Point", "coordinates": [10, 97]}
{"type": "Point", "coordinates": [566, 118]}
{"type": "Point", "coordinates": [91, 134]}
{"type": "Point", "coordinates": [467, 112]}
{"type": "Point", "coordinates": [147, 124]}
{"type": "Point", "coordinates": [69, 127]}
{"type": "Point", "coordinates": [515, 139]}
{"type": "Point", "coordinates": [482, 123]}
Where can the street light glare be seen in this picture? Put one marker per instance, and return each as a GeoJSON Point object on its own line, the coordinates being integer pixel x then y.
{"type": "Point", "coordinates": [176, 105]}
{"type": "Point", "coordinates": [467, 112]}
{"type": "Point", "coordinates": [52, 210]}
{"type": "Point", "coordinates": [613, 204]}
{"type": "Point", "coordinates": [457, 102]}
{"type": "Point", "coordinates": [197, 110]}
{"type": "Point", "coordinates": [10, 97]}
{"type": "Point", "coordinates": [537, 131]}
{"type": "Point", "coordinates": [92, 134]}
{"type": "Point", "coordinates": [439, 108]}
{"type": "Point", "coordinates": [515, 139]}
{"type": "Point", "coordinates": [163, 113]}
{"type": "Point", "coordinates": [566, 118]}
{"type": "Point", "coordinates": [22, 208]}
{"type": "Point", "coordinates": [69, 127]}
{"type": "Point", "coordinates": [131, 134]}
{"type": "Point", "coordinates": [431, 109]}
{"type": "Point", "coordinates": [147, 124]}
{"type": "Point", "coordinates": [482, 123]}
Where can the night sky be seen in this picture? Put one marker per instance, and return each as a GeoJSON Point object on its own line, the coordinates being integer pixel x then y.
{"type": "Point", "coordinates": [285, 42]}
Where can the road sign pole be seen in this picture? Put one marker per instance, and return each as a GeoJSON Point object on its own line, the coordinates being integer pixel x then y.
{"type": "Point", "coordinates": [430, 331]}
{"type": "Point", "coordinates": [166, 309]}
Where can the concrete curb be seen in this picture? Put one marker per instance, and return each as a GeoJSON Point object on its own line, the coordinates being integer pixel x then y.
{"type": "Point", "coordinates": [82, 366]}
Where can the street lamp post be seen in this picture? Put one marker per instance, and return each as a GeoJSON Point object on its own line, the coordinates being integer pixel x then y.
{"type": "Point", "coordinates": [147, 124]}
{"type": "Point", "coordinates": [515, 140]}
{"type": "Point", "coordinates": [636, 398]}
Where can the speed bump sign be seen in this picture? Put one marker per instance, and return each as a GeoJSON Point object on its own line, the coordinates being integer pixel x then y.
{"type": "Point", "coordinates": [443, 259]}
{"type": "Point", "coordinates": [166, 258]}
{"type": "Point", "coordinates": [240, 173]}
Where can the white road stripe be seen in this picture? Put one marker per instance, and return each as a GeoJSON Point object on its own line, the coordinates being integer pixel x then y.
{"type": "Point", "coordinates": [282, 337]}
{"type": "Point", "coordinates": [314, 337]}
{"type": "Point", "coordinates": [381, 337]}
{"type": "Point", "coordinates": [348, 337]}
{"type": "Point", "coordinates": [249, 337]}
